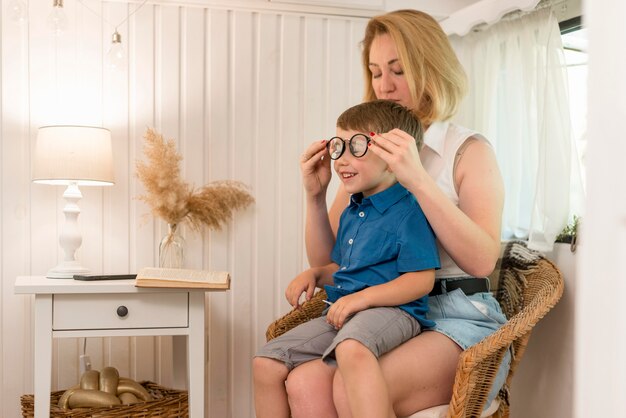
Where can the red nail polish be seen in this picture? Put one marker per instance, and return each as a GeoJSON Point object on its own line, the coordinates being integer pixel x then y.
{"type": "Point", "coordinates": [369, 144]}
{"type": "Point", "coordinates": [372, 134]}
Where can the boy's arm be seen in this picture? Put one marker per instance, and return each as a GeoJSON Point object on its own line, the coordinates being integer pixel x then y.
{"type": "Point", "coordinates": [307, 281]}
{"type": "Point", "coordinates": [403, 289]}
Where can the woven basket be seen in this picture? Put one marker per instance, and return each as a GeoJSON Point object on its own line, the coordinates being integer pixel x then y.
{"type": "Point", "coordinates": [167, 403]}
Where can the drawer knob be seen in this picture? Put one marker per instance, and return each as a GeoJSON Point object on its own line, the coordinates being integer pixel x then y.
{"type": "Point", "coordinates": [122, 311]}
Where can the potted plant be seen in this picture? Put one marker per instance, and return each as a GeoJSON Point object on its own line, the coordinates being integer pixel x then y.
{"type": "Point", "coordinates": [569, 234]}
{"type": "Point", "coordinates": [177, 202]}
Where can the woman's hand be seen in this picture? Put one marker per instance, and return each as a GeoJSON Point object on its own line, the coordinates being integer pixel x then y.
{"type": "Point", "coordinates": [345, 307]}
{"type": "Point", "coordinates": [398, 149]}
{"type": "Point", "coordinates": [470, 230]}
{"type": "Point", "coordinates": [315, 168]}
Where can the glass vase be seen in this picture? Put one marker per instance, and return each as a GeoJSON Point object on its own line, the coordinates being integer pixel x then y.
{"type": "Point", "coordinates": [172, 248]}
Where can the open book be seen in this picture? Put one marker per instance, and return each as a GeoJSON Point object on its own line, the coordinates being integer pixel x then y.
{"type": "Point", "coordinates": [183, 278]}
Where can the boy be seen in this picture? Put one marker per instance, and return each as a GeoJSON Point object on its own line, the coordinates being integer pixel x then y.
{"type": "Point", "coordinates": [382, 271]}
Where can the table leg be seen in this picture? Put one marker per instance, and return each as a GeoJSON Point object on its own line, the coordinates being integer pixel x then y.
{"type": "Point", "coordinates": [195, 347]}
{"type": "Point", "coordinates": [43, 354]}
{"type": "Point", "coordinates": [180, 361]}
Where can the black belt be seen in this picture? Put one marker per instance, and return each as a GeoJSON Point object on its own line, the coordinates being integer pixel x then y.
{"type": "Point", "coordinates": [469, 286]}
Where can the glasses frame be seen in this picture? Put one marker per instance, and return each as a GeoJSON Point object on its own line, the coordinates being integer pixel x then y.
{"type": "Point", "coordinates": [343, 146]}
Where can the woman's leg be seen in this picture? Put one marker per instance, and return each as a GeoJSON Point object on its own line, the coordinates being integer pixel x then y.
{"type": "Point", "coordinates": [310, 390]}
{"type": "Point", "coordinates": [270, 396]}
{"type": "Point", "coordinates": [419, 374]}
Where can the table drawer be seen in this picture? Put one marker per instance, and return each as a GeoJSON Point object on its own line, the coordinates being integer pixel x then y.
{"type": "Point", "coordinates": [120, 311]}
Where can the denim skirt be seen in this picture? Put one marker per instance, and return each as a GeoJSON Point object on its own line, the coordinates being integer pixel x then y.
{"type": "Point", "coordinates": [466, 320]}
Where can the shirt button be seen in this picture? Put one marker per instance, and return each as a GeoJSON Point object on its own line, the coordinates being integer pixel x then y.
{"type": "Point", "coordinates": [350, 241]}
{"type": "Point", "coordinates": [361, 214]}
{"type": "Point", "coordinates": [343, 268]}
{"type": "Point", "coordinates": [338, 286]}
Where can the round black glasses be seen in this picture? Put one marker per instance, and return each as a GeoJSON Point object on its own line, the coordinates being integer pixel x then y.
{"type": "Point", "coordinates": [358, 145]}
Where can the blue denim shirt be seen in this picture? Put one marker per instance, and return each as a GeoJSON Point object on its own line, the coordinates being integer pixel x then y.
{"type": "Point", "coordinates": [379, 238]}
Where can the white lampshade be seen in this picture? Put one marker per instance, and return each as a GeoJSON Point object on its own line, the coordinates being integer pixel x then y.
{"type": "Point", "coordinates": [73, 154]}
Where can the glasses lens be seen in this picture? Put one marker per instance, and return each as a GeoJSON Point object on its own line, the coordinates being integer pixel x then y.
{"type": "Point", "coordinates": [358, 145]}
{"type": "Point", "coordinates": [335, 147]}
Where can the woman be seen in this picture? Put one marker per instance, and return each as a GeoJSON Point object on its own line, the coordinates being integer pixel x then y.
{"type": "Point", "coordinates": [407, 58]}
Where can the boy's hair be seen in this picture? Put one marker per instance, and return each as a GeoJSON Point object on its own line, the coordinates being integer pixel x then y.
{"type": "Point", "coordinates": [436, 78]}
{"type": "Point", "coordinates": [381, 116]}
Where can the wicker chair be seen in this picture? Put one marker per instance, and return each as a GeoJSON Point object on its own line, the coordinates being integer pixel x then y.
{"type": "Point", "coordinates": [528, 287]}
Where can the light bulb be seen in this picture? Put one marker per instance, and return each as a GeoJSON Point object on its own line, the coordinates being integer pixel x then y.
{"type": "Point", "coordinates": [116, 58]}
{"type": "Point", "coordinates": [18, 11]}
{"type": "Point", "coordinates": [57, 21]}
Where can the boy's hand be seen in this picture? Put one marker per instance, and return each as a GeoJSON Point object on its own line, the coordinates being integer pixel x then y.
{"type": "Point", "coordinates": [303, 282]}
{"type": "Point", "coordinates": [345, 307]}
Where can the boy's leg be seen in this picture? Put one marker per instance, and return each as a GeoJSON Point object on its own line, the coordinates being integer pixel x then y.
{"type": "Point", "coordinates": [270, 396]}
{"type": "Point", "coordinates": [364, 381]}
{"type": "Point", "coordinates": [364, 338]}
{"type": "Point", "coordinates": [274, 361]}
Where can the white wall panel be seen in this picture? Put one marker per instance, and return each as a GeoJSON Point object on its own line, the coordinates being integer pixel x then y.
{"type": "Point", "coordinates": [243, 144]}
{"type": "Point", "coordinates": [15, 312]}
{"type": "Point", "coordinates": [218, 109]}
{"type": "Point", "coordinates": [242, 92]}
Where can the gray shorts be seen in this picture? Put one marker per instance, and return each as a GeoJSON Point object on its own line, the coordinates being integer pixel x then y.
{"type": "Point", "coordinates": [379, 329]}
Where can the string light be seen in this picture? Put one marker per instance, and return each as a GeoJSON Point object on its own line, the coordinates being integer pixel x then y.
{"type": "Point", "coordinates": [57, 21]}
{"type": "Point", "coordinates": [18, 11]}
{"type": "Point", "coordinates": [116, 57]}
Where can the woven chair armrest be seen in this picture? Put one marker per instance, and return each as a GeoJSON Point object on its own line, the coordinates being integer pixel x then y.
{"type": "Point", "coordinates": [310, 309]}
{"type": "Point", "coordinates": [521, 323]}
{"type": "Point", "coordinates": [479, 363]}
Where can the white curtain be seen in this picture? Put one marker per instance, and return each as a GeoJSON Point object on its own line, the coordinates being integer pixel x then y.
{"type": "Point", "coordinates": [519, 100]}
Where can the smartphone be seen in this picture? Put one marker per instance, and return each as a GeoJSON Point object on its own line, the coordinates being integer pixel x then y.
{"type": "Point", "coordinates": [89, 277]}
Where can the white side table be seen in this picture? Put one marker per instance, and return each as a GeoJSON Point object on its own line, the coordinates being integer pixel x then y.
{"type": "Point", "coordinates": [107, 308]}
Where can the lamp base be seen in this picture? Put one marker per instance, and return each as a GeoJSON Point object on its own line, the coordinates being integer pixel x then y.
{"type": "Point", "coordinates": [67, 270]}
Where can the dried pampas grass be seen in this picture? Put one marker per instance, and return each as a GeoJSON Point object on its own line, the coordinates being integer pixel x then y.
{"type": "Point", "coordinates": [175, 201]}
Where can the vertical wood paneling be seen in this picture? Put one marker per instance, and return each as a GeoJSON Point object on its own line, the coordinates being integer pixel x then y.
{"type": "Point", "coordinates": [243, 147]}
{"type": "Point", "coordinates": [316, 123]}
{"type": "Point", "coordinates": [192, 111]}
{"type": "Point", "coordinates": [142, 97]}
{"type": "Point", "coordinates": [115, 87]}
{"type": "Point", "coordinates": [15, 312]}
{"type": "Point", "coordinates": [353, 68]}
{"type": "Point", "coordinates": [168, 106]}
{"type": "Point", "coordinates": [219, 104]}
{"type": "Point", "coordinates": [141, 92]}
{"type": "Point", "coordinates": [266, 184]}
{"type": "Point", "coordinates": [243, 93]}
{"type": "Point", "coordinates": [291, 127]}
{"type": "Point", "coordinates": [337, 76]}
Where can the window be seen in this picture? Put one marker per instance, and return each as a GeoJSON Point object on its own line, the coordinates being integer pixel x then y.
{"type": "Point", "coordinates": [574, 38]}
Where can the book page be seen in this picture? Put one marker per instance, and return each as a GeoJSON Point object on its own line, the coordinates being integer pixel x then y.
{"type": "Point", "coordinates": [168, 277]}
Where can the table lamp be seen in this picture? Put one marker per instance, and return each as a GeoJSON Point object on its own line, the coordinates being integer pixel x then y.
{"type": "Point", "coordinates": [72, 156]}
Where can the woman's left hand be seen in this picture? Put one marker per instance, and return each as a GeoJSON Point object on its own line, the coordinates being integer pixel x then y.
{"type": "Point", "coordinates": [398, 149]}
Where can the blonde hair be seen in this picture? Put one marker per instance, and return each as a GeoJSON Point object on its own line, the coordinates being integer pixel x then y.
{"type": "Point", "coordinates": [436, 79]}
{"type": "Point", "coordinates": [381, 116]}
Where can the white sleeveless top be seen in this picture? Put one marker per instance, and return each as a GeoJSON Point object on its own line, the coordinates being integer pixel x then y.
{"type": "Point", "coordinates": [441, 143]}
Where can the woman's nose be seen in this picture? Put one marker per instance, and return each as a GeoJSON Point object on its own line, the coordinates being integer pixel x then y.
{"type": "Point", "coordinates": [386, 84]}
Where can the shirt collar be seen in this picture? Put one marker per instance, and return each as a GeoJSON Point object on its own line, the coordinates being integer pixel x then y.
{"type": "Point", "coordinates": [381, 200]}
{"type": "Point", "coordinates": [435, 136]}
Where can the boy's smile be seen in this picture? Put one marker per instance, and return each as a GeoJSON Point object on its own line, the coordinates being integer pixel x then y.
{"type": "Point", "coordinates": [367, 174]}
